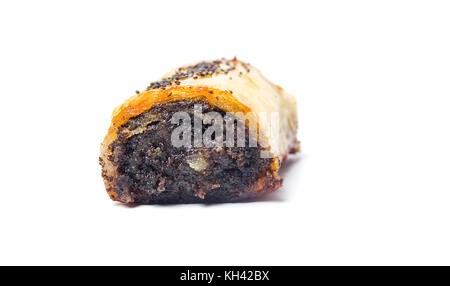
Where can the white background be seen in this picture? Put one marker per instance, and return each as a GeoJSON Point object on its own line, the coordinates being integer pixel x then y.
{"type": "Point", "coordinates": [371, 185]}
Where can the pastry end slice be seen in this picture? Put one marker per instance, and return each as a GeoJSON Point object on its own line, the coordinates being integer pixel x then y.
{"type": "Point", "coordinates": [214, 131]}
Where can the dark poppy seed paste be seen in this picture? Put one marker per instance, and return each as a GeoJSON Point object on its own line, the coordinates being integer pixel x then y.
{"type": "Point", "coordinates": [151, 170]}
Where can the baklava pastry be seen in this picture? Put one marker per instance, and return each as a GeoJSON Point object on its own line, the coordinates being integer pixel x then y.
{"type": "Point", "coordinates": [215, 131]}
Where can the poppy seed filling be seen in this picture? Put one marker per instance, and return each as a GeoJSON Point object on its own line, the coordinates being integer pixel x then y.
{"type": "Point", "coordinates": [151, 170]}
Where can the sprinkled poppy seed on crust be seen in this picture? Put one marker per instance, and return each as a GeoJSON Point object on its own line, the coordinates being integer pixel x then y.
{"type": "Point", "coordinates": [200, 70]}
